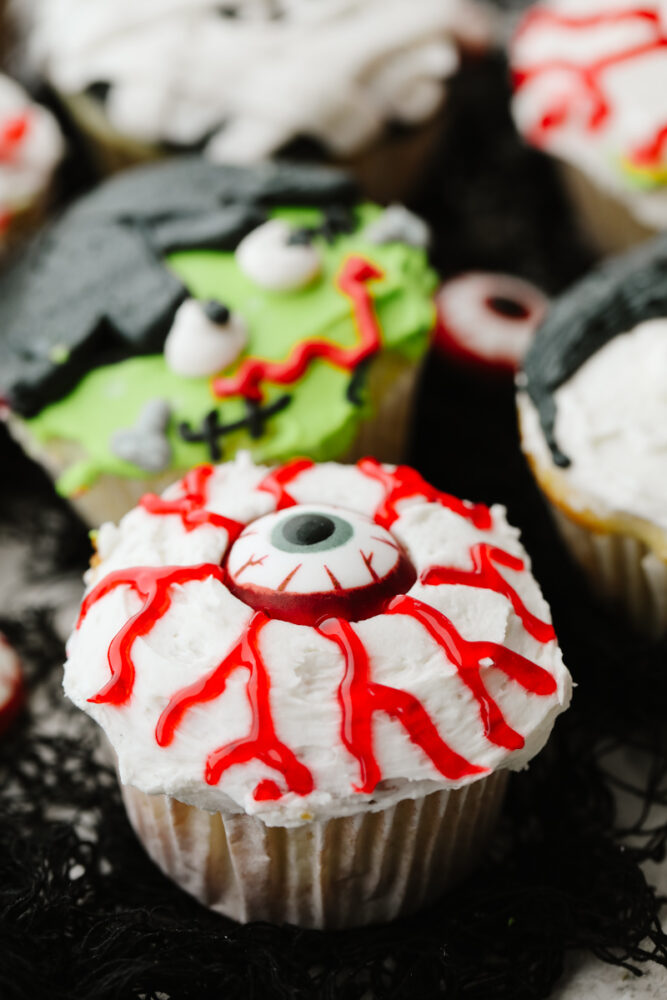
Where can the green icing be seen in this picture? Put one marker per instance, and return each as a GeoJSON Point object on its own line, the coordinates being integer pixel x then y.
{"type": "Point", "coordinates": [319, 421]}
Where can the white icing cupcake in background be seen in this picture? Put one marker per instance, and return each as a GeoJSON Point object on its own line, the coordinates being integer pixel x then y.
{"type": "Point", "coordinates": [593, 413]}
{"type": "Point", "coordinates": [590, 80]}
{"type": "Point", "coordinates": [242, 81]}
{"type": "Point", "coordinates": [31, 148]}
{"type": "Point", "coordinates": [316, 679]}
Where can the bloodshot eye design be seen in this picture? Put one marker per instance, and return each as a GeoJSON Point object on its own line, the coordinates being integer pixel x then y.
{"type": "Point", "coordinates": [313, 562]}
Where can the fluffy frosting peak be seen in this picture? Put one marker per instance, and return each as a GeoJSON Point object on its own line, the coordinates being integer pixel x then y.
{"type": "Point", "coordinates": [217, 704]}
{"type": "Point", "coordinates": [251, 75]}
{"type": "Point", "coordinates": [591, 87]}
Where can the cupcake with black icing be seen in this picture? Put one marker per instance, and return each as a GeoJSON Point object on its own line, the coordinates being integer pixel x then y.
{"type": "Point", "coordinates": [361, 83]}
{"type": "Point", "coordinates": [185, 310]}
{"type": "Point", "coordinates": [593, 414]}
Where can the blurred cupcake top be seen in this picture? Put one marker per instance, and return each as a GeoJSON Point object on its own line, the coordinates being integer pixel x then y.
{"type": "Point", "coordinates": [594, 404]}
{"type": "Point", "coordinates": [242, 79]}
{"type": "Point", "coordinates": [185, 310]}
{"type": "Point", "coordinates": [313, 640]}
{"type": "Point", "coordinates": [31, 147]}
{"type": "Point", "coordinates": [590, 79]}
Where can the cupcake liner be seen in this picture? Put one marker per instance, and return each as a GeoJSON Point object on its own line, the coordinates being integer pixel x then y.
{"type": "Point", "coordinates": [607, 222]}
{"type": "Point", "coordinates": [343, 872]}
{"type": "Point", "coordinates": [385, 436]}
{"type": "Point", "coordinates": [622, 569]}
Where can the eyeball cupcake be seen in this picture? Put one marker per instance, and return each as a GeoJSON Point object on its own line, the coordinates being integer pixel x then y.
{"type": "Point", "coordinates": [315, 679]}
{"type": "Point", "coordinates": [593, 414]}
{"type": "Point", "coordinates": [590, 80]}
{"type": "Point", "coordinates": [186, 310]}
{"type": "Point", "coordinates": [31, 148]}
{"type": "Point", "coordinates": [12, 688]}
{"type": "Point", "coordinates": [359, 82]}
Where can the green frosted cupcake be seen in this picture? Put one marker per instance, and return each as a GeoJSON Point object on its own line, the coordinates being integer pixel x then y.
{"type": "Point", "coordinates": [185, 311]}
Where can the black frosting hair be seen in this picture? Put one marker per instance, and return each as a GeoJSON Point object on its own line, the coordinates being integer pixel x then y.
{"type": "Point", "coordinates": [611, 300]}
{"type": "Point", "coordinates": [94, 286]}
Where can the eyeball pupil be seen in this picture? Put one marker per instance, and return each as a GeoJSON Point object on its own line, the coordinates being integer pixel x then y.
{"type": "Point", "coordinates": [216, 311]}
{"type": "Point", "coordinates": [507, 307]}
{"type": "Point", "coordinates": [308, 529]}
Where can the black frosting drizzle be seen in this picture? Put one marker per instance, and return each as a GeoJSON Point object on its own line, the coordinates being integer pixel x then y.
{"type": "Point", "coordinates": [611, 300]}
{"type": "Point", "coordinates": [94, 286]}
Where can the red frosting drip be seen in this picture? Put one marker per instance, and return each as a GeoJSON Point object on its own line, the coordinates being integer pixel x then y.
{"type": "Point", "coordinates": [153, 584]}
{"type": "Point", "coordinates": [277, 480]}
{"type": "Point", "coordinates": [588, 77]}
{"type": "Point", "coordinates": [354, 274]}
{"type": "Point", "coordinates": [466, 657]}
{"type": "Point", "coordinates": [191, 507]}
{"type": "Point", "coordinates": [12, 133]}
{"type": "Point", "coordinates": [262, 742]}
{"type": "Point", "coordinates": [405, 482]}
{"type": "Point", "coordinates": [360, 697]}
{"type": "Point", "coordinates": [486, 575]}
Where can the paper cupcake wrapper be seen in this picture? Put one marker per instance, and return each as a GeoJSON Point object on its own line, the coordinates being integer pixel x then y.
{"type": "Point", "coordinates": [385, 435]}
{"type": "Point", "coordinates": [343, 872]}
{"type": "Point", "coordinates": [606, 220]}
{"type": "Point", "coordinates": [621, 569]}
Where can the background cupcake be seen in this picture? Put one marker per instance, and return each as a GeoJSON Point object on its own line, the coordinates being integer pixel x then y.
{"type": "Point", "coordinates": [186, 310]}
{"type": "Point", "coordinates": [31, 148]}
{"type": "Point", "coordinates": [303, 733]}
{"type": "Point", "coordinates": [590, 80]}
{"type": "Point", "coordinates": [593, 411]}
{"type": "Point", "coordinates": [361, 83]}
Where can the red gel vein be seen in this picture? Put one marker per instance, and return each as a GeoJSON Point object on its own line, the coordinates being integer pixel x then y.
{"type": "Point", "coordinates": [191, 507]}
{"type": "Point", "coordinates": [12, 134]}
{"type": "Point", "coordinates": [352, 280]}
{"type": "Point", "coordinates": [360, 697]}
{"type": "Point", "coordinates": [589, 77]}
{"type": "Point", "coordinates": [262, 742]}
{"type": "Point", "coordinates": [405, 482]}
{"type": "Point", "coordinates": [486, 576]}
{"type": "Point", "coordinates": [276, 481]}
{"type": "Point", "coordinates": [153, 584]}
{"type": "Point", "coordinates": [467, 656]}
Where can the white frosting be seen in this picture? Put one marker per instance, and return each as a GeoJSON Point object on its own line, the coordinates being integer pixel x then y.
{"type": "Point", "coordinates": [256, 560]}
{"type": "Point", "coordinates": [337, 70]}
{"type": "Point", "coordinates": [611, 422]}
{"type": "Point", "coordinates": [205, 621]}
{"type": "Point", "coordinates": [268, 258]}
{"type": "Point", "coordinates": [196, 345]}
{"type": "Point", "coordinates": [467, 317]}
{"type": "Point", "coordinates": [635, 90]}
{"type": "Point", "coordinates": [26, 165]}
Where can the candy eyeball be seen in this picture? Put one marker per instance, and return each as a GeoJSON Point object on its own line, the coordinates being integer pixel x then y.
{"type": "Point", "coordinates": [488, 318]}
{"type": "Point", "coordinates": [275, 258]}
{"type": "Point", "coordinates": [316, 561]}
{"type": "Point", "coordinates": [205, 338]}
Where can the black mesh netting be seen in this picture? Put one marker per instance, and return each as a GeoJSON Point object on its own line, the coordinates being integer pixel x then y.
{"type": "Point", "coordinates": [84, 914]}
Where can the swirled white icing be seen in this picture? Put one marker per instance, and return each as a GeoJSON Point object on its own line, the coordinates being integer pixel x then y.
{"type": "Point", "coordinates": [250, 75]}
{"type": "Point", "coordinates": [611, 422]}
{"type": "Point", "coordinates": [305, 669]}
{"type": "Point", "coordinates": [591, 88]}
{"type": "Point", "coordinates": [31, 146]}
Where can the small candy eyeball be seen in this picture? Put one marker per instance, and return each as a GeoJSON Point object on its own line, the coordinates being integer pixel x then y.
{"type": "Point", "coordinates": [488, 319]}
{"type": "Point", "coordinates": [205, 338]}
{"type": "Point", "coordinates": [278, 258]}
{"type": "Point", "coordinates": [398, 224]}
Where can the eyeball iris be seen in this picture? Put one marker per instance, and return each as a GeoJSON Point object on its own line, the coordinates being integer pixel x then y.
{"type": "Point", "coordinates": [313, 562]}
